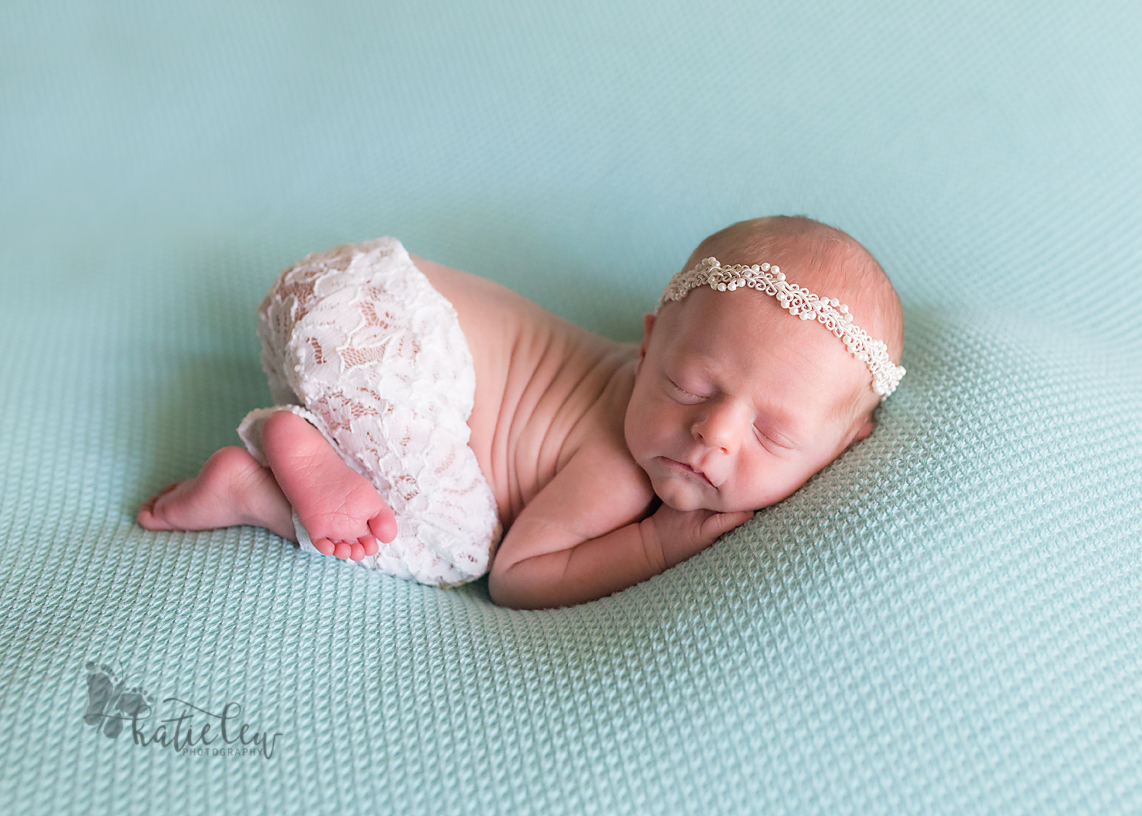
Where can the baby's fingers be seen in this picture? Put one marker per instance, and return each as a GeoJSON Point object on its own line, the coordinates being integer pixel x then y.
{"type": "Point", "coordinates": [721, 523]}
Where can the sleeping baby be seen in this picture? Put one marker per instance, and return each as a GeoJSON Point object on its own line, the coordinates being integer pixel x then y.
{"type": "Point", "coordinates": [437, 426]}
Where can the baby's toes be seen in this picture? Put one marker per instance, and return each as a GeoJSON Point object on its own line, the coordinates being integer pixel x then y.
{"type": "Point", "coordinates": [150, 515]}
{"type": "Point", "coordinates": [384, 526]}
{"type": "Point", "coordinates": [324, 546]}
{"type": "Point", "coordinates": [149, 505]}
{"type": "Point", "coordinates": [364, 546]}
{"type": "Point", "coordinates": [369, 546]}
{"type": "Point", "coordinates": [342, 550]}
{"type": "Point", "coordinates": [146, 513]}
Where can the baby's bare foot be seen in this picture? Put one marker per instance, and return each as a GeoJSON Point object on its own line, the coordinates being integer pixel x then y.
{"type": "Point", "coordinates": [339, 508]}
{"type": "Point", "coordinates": [232, 488]}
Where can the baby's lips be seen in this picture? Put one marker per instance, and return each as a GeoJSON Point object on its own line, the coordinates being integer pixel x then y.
{"type": "Point", "coordinates": [688, 469]}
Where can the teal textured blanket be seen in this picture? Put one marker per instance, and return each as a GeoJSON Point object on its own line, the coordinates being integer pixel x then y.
{"type": "Point", "coordinates": [946, 620]}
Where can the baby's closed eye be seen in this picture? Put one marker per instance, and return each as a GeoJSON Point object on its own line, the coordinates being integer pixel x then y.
{"type": "Point", "coordinates": [760, 435]}
{"type": "Point", "coordinates": [773, 439]}
{"type": "Point", "coordinates": [676, 387]}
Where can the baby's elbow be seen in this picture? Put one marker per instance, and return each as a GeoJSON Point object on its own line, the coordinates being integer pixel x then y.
{"type": "Point", "coordinates": [519, 586]}
{"type": "Point", "coordinates": [503, 590]}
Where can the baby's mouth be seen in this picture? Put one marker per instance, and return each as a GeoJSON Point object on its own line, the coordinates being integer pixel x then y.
{"type": "Point", "coordinates": [684, 468]}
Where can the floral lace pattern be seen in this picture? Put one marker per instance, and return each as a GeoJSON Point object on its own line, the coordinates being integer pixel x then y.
{"type": "Point", "coordinates": [359, 343]}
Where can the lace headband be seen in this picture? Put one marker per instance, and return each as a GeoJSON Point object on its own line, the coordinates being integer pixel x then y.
{"type": "Point", "coordinates": [829, 312]}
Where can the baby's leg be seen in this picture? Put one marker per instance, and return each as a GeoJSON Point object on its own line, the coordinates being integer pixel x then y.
{"type": "Point", "coordinates": [339, 508]}
{"type": "Point", "coordinates": [231, 489]}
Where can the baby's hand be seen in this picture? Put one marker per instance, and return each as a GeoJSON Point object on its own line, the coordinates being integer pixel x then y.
{"type": "Point", "coordinates": [679, 535]}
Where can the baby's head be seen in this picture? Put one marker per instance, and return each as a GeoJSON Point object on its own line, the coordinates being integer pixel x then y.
{"type": "Point", "coordinates": [736, 402]}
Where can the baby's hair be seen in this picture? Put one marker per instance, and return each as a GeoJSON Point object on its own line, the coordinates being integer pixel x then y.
{"type": "Point", "coordinates": [824, 260]}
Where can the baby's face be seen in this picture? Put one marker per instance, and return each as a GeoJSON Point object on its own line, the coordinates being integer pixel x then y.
{"type": "Point", "coordinates": [736, 402]}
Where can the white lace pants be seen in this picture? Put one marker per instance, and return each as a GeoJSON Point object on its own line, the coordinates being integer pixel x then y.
{"type": "Point", "coordinates": [359, 343]}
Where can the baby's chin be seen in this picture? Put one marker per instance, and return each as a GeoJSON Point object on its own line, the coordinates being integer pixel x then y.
{"type": "Point", "coordinates": [683, 503]}
{"type": "Point", "coordinates": [677, 494]}
{"type": "Point", "coordinates": [680, 501]}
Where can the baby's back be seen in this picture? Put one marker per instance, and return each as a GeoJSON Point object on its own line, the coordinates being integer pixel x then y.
{"type": "Point", "coordinates": [543, 385]}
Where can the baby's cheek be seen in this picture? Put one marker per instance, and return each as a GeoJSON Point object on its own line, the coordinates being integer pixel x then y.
{"type": "Point", "coordinates": [754, 487]}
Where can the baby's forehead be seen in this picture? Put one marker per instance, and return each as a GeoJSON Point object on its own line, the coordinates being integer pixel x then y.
{"type": "Point", "coordinates": [727, 331]}
{"type": "Point", "coordinates": [730, 313]}
{"type": "Point", "coordinates": [826, 285]}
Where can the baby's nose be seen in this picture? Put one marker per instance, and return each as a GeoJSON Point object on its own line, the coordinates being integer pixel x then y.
{"type": "Point", "coordinates": [718, 427]}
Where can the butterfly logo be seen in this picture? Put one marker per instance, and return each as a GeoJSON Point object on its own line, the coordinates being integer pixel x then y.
{"type": "Point", "coordinates": [110, 702]}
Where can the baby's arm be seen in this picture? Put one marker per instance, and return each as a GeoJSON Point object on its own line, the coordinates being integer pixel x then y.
{"type": "Point", "coordinates": [581, 537]}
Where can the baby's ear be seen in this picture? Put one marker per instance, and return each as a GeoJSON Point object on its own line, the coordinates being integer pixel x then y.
{"type": "Point", "coordinates": [863, 430]}
{"type": "Point", "coordinates": [647, 325]}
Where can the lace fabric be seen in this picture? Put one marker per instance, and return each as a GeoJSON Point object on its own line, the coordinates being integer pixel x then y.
{"type": "Point", "coordinates": [359, 343]}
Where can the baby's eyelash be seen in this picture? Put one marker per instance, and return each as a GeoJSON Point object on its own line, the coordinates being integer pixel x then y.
{"type": "Point", "coordinates": [781, 445]}
{"type": "Point", "coordinates": [677, 387]}
{"type": "Point", "coordinates": [760, 432]}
